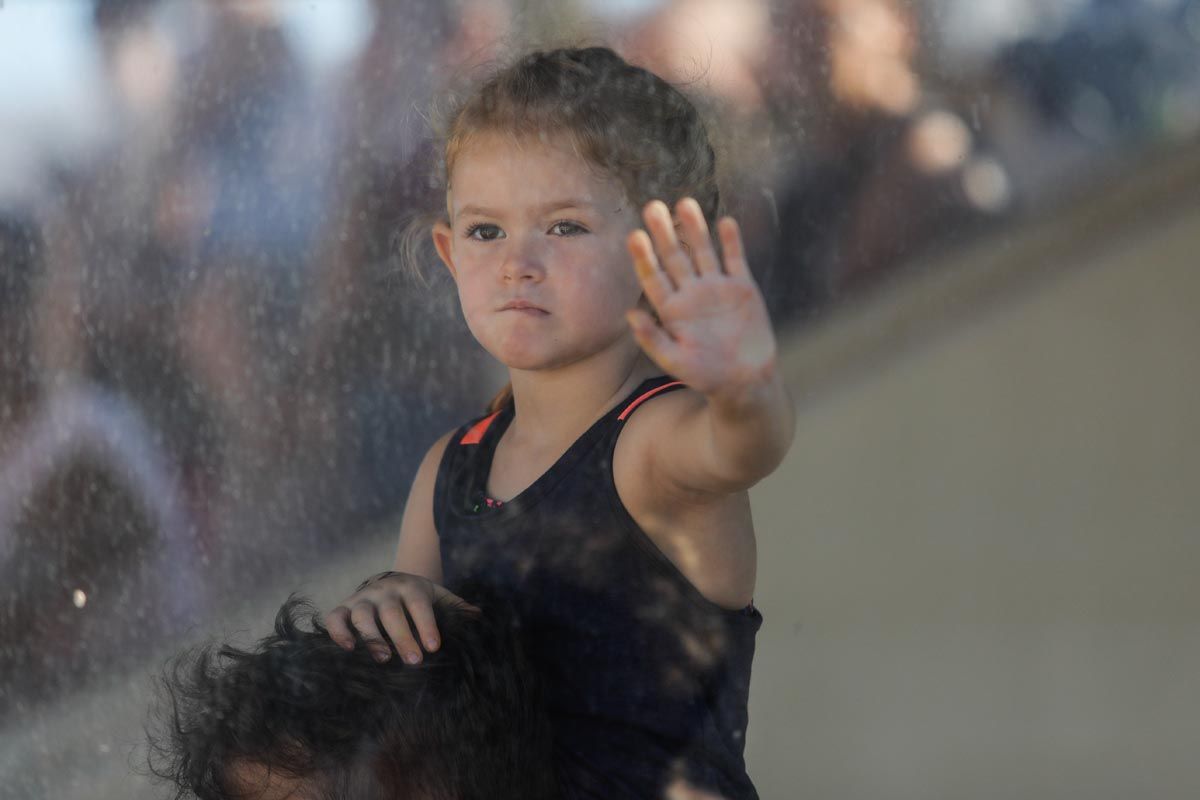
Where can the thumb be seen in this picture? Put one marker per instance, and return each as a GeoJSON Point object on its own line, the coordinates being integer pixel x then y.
{"type": "Point", "coordinates": [442, 593]}
{"type": "Point", "coordinates": [652, 337]}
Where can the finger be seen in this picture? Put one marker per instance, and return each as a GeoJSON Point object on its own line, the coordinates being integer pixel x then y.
{"type": "Point", "coordinates": [396, 624]}
{"type": "Point", "coordinates": [657, 343]}
{"type": "Point", "coordinates": [694, 231]}
{"type": "Point", "coordinates": [655, 283]}
{"type": "Point", "coordinates": [731, 247]}
{"type": "Point", "coordinates": [675, 261]}
{"type": "Point", "coordinates": [362, 616]}
{"type": "Point", "coordinates": [421, 610]}
{"type": "Point", "coordinates": [337, 623]}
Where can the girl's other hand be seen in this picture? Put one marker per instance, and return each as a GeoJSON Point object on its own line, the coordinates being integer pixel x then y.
{"type": "Point", "coordinates": [390, 600]}
{"type": "Point", "coordinates": [713, 332]}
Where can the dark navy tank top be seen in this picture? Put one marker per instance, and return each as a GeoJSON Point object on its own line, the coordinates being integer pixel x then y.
{"type": "Point", "coordinates": [646, 680]}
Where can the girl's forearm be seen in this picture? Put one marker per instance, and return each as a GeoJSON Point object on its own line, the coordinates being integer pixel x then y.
{"type": "Point", "coordinates": [752, 429]}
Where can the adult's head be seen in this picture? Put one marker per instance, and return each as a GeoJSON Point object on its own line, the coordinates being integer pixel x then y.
{"type": "Point", "coordinates": [298, 717]}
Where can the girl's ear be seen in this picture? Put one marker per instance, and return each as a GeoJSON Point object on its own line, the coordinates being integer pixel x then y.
{"type": "Point", "coordinates": [443, 235]}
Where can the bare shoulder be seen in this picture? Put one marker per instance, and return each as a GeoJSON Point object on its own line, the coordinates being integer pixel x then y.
{"type": "Point", "coordinates": [651, 434]}
{"type": "Point", "coordinates": [418, 549]}
{"type": "Point", "coordinates": [709, 536]}
{"type": "Point", "coordinates": [426, 475]}
{"type": "Point", "coordinates": [663, 412]}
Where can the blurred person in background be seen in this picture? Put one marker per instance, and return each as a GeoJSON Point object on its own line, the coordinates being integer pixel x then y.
{"type": "Point", "coordinates": [91, 501]}
{"type": "Point", "coordinates": [107, 303]}
{"type": "Point", "coordinates": [385, 363]}
{"type": "Point", "coordinates": [166, 309]}
{"type": "Point", "coordinates": [716, 51]}
{"type": "Point", "coordinates": [843, 163]}
{"type": "Point", "coordinates": [202, 209]}
{"type": "Point", "coordinates": [92, 526]}
{"type": "Point", "coordinates": [246, 193]}
{"type": "Point", "coordinates": [869, 158]}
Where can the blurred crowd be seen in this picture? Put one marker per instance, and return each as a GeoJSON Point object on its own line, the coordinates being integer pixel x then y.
{"type": "Point", "coordinates": [213, 365]}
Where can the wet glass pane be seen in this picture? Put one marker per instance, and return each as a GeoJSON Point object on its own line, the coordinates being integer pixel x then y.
{"type": "Point", "coordinates": [226, 340]}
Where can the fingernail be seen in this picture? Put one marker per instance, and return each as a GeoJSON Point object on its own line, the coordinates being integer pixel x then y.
{"type": "Point", "coordinates": [413, 658]}
{"type": "Point", "coordinates": [381, 655]}
{"type": "Point", "coordinates": [431, 644]}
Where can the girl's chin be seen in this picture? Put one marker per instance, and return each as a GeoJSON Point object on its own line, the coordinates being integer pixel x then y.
{"type": "Point", "coordinates": [529, 363]}
{"type": "Point", "coordinates": [523, 358]}
{"type": "Point", "coordinates": [533, 359]}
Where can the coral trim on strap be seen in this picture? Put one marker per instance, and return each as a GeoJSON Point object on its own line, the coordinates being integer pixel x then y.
{"type": "Point", "coordinates": [629, 408]}
{"type": "Point", "coordinates": [475, 435]}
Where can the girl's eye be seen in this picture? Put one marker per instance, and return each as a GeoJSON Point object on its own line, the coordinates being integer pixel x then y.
{"type": "Point", "coordinates": [484, 232]}
{"type": "Point", "coordinates": [564, 227]}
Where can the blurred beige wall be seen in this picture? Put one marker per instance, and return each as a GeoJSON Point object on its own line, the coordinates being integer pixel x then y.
{"type": "Point", "coordinates": [979, 564]}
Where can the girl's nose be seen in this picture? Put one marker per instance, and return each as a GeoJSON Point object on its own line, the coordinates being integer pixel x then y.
{"type": "Point", "coordinates": [523, 262]}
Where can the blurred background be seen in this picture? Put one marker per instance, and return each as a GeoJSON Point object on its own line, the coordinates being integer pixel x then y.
{"type": "Point", "coordinates": [976, 223]}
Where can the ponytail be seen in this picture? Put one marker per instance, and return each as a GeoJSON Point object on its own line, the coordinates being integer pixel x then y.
{"type": "Point", "coordinates": [503, 398]}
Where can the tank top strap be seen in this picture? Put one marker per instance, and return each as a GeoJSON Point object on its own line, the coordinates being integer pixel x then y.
{"type": "Point", "coordinates": [475, 431]}
{"type": "Point", "coordinates": [650, 388]}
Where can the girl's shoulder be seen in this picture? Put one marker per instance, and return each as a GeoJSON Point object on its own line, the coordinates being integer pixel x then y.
{"type": "Point", "coordinates": [653, 430]}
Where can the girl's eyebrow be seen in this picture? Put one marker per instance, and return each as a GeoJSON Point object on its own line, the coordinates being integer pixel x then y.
{"type": "Point", "coordinates": [553, 205]}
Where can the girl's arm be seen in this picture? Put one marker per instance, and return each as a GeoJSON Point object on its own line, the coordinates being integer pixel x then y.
{"type": "Point", "coordinates": [409, 591]}
{"type": "Point", "coordinates": [713, 333]}
{"type": "Point", "coordinates": [731, 442]}
{"type": "Point", "coordinates": [418, 551]}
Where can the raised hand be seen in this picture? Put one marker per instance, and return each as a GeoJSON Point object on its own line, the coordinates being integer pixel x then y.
{"type": "Point", "coordinates": [713, 332]}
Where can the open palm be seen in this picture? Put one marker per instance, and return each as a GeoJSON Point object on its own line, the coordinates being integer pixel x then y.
{"type": "Point", "coordinates": [713, 332]}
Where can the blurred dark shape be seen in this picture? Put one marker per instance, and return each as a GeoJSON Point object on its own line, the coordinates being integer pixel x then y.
{"type": "Point", "coordinates": [298, 715]}
{"type": "Point", "coordinates": [20, 265]}
{"type": "Point", "coordinates": [71, 566]}
{"type": "Point", "coordinates": [1109, 74]}
{"type": "Point", "coordinates": [118, 14]}
{"type": "Point", "coordinates": [870, 160]}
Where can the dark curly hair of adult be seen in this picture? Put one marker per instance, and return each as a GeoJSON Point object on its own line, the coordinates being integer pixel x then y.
{"type": "Point", "coordinates": [466, 724]}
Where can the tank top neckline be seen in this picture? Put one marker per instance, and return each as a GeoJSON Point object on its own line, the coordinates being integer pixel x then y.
{"type": "Point", "coordinates": [474, 505]}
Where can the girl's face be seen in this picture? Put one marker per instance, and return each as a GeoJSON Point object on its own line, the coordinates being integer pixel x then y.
{"type": "Point", "coordinates": [536, 245]}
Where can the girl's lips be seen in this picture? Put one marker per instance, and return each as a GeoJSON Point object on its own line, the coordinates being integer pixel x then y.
{"type": "Point", "coordinates": [523, 305]}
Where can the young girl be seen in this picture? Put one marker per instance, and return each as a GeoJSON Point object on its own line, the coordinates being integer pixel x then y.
{"type": "Point", "coordinates": [604, 495]}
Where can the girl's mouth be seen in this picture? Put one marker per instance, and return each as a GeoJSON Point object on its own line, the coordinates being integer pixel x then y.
{"type": "Point", "coordinates": [523, 306]}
